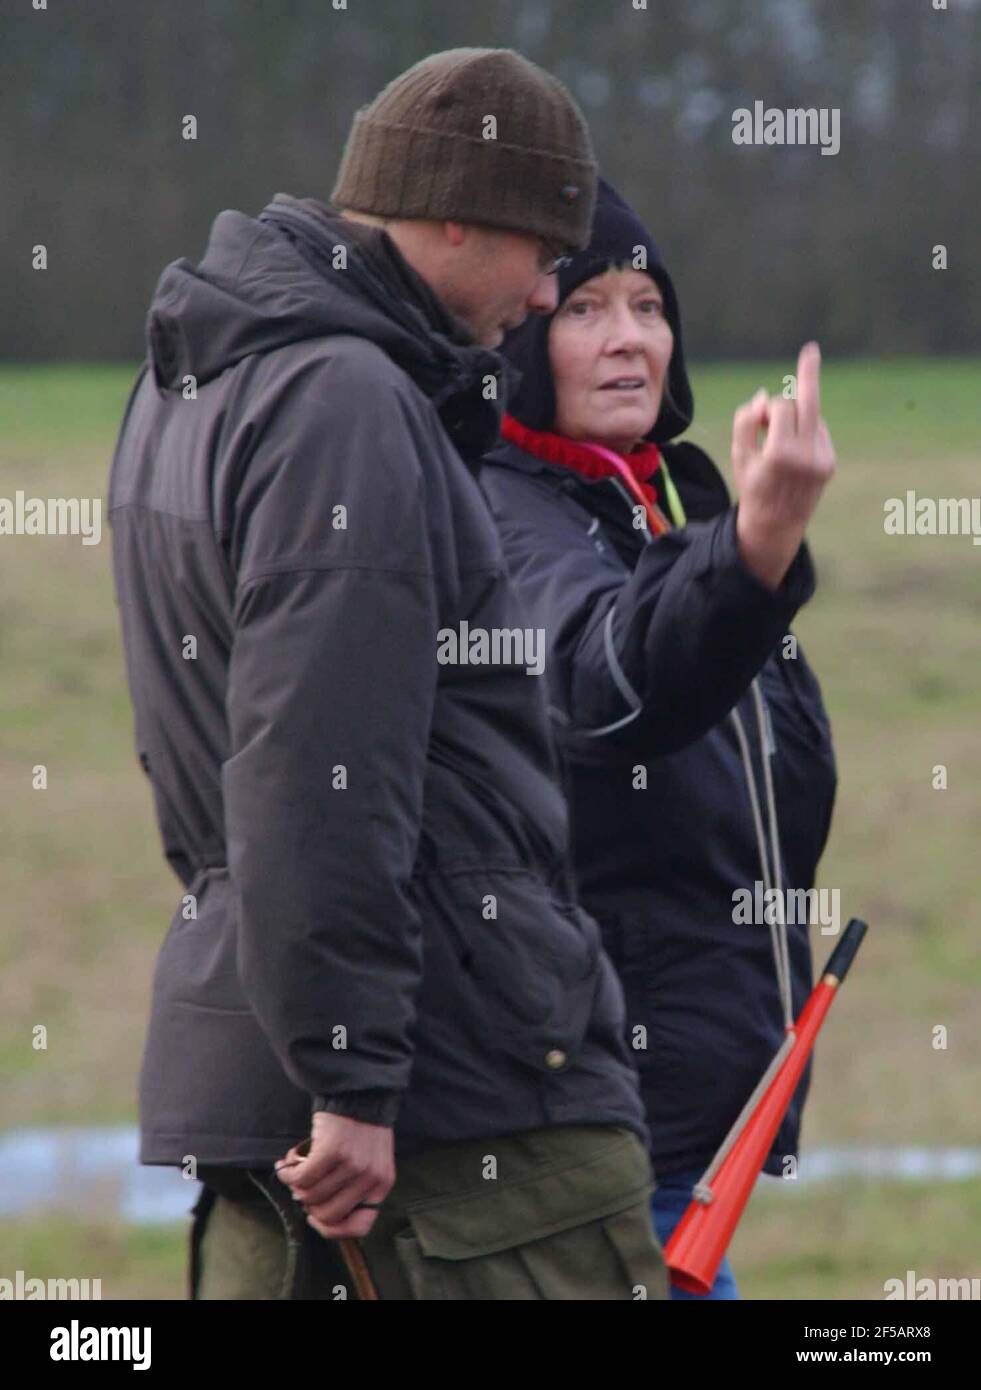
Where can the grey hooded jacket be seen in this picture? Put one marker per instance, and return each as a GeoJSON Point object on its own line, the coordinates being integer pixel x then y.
{"type": "Point", "coordinates": [375, 914]}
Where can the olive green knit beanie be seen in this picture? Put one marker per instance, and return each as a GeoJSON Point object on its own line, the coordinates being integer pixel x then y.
{"type": "Point", "coordinates": [474, 135]}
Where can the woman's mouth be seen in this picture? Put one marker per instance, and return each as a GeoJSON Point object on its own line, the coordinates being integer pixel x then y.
{"type": "Point", "coordinates": [624, 383]}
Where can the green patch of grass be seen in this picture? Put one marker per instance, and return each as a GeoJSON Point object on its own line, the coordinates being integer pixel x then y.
{"type": "Point", "coordinates": [889, 409]}
{"type": "Point", "coordinates": [60, 411]}
{"type": "Point", "coordinates": [142, 1262]}
{"type": "Point", "coordinates": [844, 1240]}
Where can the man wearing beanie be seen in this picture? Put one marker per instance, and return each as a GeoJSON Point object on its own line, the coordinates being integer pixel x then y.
{"type": "Point", "coordinates": [383, 1035]}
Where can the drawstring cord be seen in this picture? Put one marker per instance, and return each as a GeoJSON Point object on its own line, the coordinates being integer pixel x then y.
{"type": "Point", "coordinates": [777, 919]}
{"type": "Point", "coordinates": [766, 740]}
{"type": "Point", "coordinates": [702, 1190]}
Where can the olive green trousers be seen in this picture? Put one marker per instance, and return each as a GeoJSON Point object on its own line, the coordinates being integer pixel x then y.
{"type": "Point", "coordinates": [559, 1213]}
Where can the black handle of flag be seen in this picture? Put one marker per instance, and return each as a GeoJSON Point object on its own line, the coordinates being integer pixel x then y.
{"type": "Point", "coordinates": [839, 962]}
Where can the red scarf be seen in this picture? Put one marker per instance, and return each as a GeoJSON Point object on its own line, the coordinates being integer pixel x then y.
{"type": "Point", "coordinates": [594, 462]}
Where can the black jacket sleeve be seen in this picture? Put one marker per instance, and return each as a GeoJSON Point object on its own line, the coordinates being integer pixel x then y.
{"type": "Point", "coordinates": [331, 690]}
{"type": "Point", "coordinates": [649, 658]}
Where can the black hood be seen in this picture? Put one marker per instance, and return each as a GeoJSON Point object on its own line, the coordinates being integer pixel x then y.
{"type": "Point", "coordinates": [273, 280]}
{"type": "Point", "coordinates": [616, 235]}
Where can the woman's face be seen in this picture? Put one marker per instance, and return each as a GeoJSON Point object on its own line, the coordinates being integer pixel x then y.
{"type": "Point", "coordinates": [609, 348]}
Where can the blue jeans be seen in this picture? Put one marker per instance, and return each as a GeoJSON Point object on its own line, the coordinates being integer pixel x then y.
{"type": "Point", "coordinates": [668, 1206]}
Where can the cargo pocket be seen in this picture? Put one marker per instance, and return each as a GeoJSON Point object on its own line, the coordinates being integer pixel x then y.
{"type": "Point", "coordinates": [631, 1235]}
{"type": "Point", "coordinates": [580, 1231]}
{"type": "Point", "coordinates": [422, 1273]}
{"type": "Point", "coordinates": [614, 1258]}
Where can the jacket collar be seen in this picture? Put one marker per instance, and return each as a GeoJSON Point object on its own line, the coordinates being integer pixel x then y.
{"type": "Point", "coordinates": [579, 456]}
{"type": "Point", "coordinates": [432, 345]}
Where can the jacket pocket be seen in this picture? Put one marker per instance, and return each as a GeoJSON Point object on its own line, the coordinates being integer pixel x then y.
{"type": "Point", "coordinates": [527, 962]}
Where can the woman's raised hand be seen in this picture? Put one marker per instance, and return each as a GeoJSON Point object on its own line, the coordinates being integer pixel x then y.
{"type": "Point", "coordinates": [780, 481]}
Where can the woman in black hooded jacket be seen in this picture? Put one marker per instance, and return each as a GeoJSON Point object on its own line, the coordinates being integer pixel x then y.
{"type": "Point", "coordinates": [694, 741]}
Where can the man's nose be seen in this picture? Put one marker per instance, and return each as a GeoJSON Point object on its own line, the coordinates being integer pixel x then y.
{"type": "Point", "coordinates": [544, 298]}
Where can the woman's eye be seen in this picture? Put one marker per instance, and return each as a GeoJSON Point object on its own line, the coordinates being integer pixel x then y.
{"type": "Point", "coordinates": [575, 308]}
{"type": "Point", "coordinates": [652, 306]}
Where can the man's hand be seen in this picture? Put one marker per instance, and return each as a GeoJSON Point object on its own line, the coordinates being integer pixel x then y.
{"type": "Point", "coordinates": [348, 1162]}
{"type": "Point", "coordinates": [780, 485]}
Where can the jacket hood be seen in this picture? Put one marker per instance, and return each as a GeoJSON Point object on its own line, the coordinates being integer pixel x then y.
{"type": "Point", "coordinates": [277, 279]}
{"type": "Point", "coordinates": [617, 233]}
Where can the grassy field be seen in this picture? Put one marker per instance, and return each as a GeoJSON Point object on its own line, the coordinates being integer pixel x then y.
{"type": "Point", "coordinates": [894, 634]}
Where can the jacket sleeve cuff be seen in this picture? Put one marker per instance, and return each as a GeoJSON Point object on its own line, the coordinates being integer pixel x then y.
{"type": "Point", "coordinates": [370, 1107]}
{"type": "Point", "coordinates": [794, 590]}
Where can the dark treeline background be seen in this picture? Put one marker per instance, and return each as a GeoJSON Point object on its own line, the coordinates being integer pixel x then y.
{"type": "Point", "coordinates": [768, 244]}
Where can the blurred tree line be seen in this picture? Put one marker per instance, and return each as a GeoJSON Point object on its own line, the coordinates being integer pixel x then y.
{"type": "Point", "coordinates": [767, 244]}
